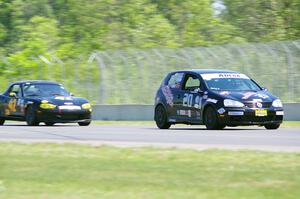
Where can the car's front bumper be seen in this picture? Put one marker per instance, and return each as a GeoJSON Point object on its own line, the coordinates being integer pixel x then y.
{"type": "Point", "coordinates": [64, 116]}
{"type": "Point", "coordinates": [242, 116]}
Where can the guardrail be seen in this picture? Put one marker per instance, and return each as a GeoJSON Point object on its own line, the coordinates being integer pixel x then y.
{"type": "Point", "coordinates": [145, 112]}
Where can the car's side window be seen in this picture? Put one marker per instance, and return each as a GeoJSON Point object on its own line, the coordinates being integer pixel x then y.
{"type": "Point", "coordinates": [175, 80]}
{"type": "Point", "coordinates": [192, 82]}
{"type": "Point", "coordinates": [16, 89]}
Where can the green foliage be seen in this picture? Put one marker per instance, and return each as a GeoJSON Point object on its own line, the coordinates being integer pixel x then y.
{"type": "Point", "coordinates": [71, 29]}
{"type": "Point", "coordinates": [264, 20]}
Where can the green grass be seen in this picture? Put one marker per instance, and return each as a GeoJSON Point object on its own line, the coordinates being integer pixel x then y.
{"type": "Point", "coordinates": [285, 124]}
{"type": "Point", "coordinates": [77, 171]}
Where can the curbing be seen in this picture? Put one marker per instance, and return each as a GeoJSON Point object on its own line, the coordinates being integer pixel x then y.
{"type": "Point", "coordinates": [146, 112]}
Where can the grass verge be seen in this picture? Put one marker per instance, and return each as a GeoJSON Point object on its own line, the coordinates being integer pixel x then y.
{"type": "Point", "coordinates": [77, 171]}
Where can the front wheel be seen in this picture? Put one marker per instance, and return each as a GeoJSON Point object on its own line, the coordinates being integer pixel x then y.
{"type": "Point", "coordinates": [161, 118]}
{"type": "Point", "coordinates": [31, 118]}
{"type": "Point", "coordinates": [211, 119]}
{"type": "Point", "coordinates": [272, 126]}
{"type": "Point", "coordinates": [84, 123]}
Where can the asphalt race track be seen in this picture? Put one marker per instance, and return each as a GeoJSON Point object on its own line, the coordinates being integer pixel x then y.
{"type": "Point", "coordinates": [195, 137]}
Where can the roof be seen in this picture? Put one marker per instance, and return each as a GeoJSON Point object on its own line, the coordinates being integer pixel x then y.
{"type": "Point", "coordinates": [35, 82]}
{"type": "Point", "coordinates": [205, 71]}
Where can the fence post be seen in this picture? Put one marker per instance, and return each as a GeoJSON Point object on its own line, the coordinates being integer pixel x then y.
{"type": "Point", "coordinates": [290, 65]}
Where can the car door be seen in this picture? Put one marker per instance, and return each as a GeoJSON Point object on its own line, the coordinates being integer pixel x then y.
{"type": "Point", "coordinates": [192, 97]}
{"type": "Point", "coordinates": [13, 104]}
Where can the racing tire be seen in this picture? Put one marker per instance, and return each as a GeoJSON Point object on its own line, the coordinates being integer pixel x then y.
{"type": "Point", "coordinates": [272, 126]}
{"type": "Point", "coordinates": [31, 118]}
{"type": "Point", "coordinates": [49, 123]}
{"type": "Point", "coordinates": [84, 123]}
{"type": "Point", "coordinates": [2, 120]}
{"type": "Point", "coordinates": [161, 118]}
{"type": "Point", "coordinates": [211, 119]}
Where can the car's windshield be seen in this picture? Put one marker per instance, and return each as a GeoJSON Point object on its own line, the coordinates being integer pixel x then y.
{"type": "Point", "coordinates": [44, 90]}
{"type": "Point", "coordinates": [230, 82]}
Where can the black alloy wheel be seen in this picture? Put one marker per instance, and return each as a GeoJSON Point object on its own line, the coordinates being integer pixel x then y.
{"type": "Point", "coordinates": [161, 117]}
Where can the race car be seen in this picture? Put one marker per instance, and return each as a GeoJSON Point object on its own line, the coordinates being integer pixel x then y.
{"type": "Point", "coordinates": [43, 101]}
{"type": "Point", "coordinates": [215, 98]}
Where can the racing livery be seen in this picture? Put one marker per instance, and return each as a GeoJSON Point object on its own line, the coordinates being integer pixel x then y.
{"type": "Point", "coordinates": [43, 101]}
{"type": "Point", "coordinates": [215, 98]}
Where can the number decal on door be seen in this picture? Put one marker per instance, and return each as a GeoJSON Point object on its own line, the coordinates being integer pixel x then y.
{"type": "Point", "coordinates": [188, 100]}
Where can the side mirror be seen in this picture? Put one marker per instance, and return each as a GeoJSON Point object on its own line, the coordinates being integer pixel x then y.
{"type": "Point", "coordinates": [198, 90]}
{"type": "Point", "coordinates": [264, 89]}
{"type": "Point", "coordinates": [12, 94]}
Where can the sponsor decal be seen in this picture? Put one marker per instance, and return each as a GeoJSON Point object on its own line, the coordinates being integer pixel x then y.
{"type": "Point", "coordinates": [279, 112]}
{"type": "Point", "coordinates": [247, 95]}
{"type": "Point", "coordinates": [198, 102]}
{"type": "Point", "coordinates": [168, 95]}
{"type": "Point", "coordinates": [210, 76]}
{"type": "Point", "coordinates": [224, 93]}
{"type": "Point", "coordinates": [221, 110]}
{"type": "Point", "coordinates": [212, 100]}
{"type": "Point", "coordinates": [69, 108]}
{"type": "Point", "coordinates": [189, 102]}
{"type": "Point", "coordinates": [259, 105]}
{"type": "Point", "coordinates": [63, 98]}
{"type": "Point", "coordinates": [184, 113]}
{"type": "Point", "coordinates": [236, 113]}
{"type": "Point", "coordinates": [11, 107]}
{"type": "Point", "coordinates": [264, 96]}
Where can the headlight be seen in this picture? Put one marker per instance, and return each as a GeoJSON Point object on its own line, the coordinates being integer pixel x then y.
{"type": "Point", "coordinates": [86, 106]}
{"type": "Point", "coordinates": [232, 103]}
{"type": "Point", "coordinates": [277, 103]}
{"type": "Point", "coordinates": [47, 106]}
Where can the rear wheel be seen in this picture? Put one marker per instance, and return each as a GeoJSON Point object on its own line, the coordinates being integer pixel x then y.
{"type": "Point", "coordinates": [161, 117]}
{"type": "Point", "coordinates": [31, 118]}
{"type": "Point", "coordinates": [211, 119]}
{"type": "Point", "coordinates": [272, 126]}
{"type": "Point", "coordinates": [84, 123]}
{"type": "Point", "coordinates": [2, 120]}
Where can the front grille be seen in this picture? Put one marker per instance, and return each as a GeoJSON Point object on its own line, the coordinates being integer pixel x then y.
{"type": "Point", "coordinates": [248, 118]}
{"type": "Point", "coordinates": [71, 116]}
{"type": "Point", "coordinates": [253, 104]}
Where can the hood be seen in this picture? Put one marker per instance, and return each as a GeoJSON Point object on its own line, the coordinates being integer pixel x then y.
{"type": "Point", "coordinates": [244, 96]}
{"type": "Point", "coordinates": [61, 100]}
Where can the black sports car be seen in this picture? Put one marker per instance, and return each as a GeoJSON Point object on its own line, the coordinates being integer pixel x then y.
{"type": "Point", "coordinates": [216, 98]}
{"type": "Point", "coordinates": [43, 101]}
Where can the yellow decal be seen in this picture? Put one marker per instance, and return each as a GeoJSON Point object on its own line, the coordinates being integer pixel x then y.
{"type": "Point", "coordinates": [11, 107]}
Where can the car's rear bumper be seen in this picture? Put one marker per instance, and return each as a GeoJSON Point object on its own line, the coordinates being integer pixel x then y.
{"type": "Point", "coordinates": [66, 116]}
{"type": "Point", "coordinates": [236, 116]}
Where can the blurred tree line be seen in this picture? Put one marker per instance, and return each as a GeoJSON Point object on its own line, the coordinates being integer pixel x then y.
{"type": "Point", "coordinates": [69, 28]}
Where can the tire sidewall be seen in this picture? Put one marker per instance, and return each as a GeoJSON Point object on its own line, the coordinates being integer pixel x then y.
{"type": "Point", "coordinates": [31, 117]}
{"type": "Point", "coordinates": [211, 119]}
{"type": "Point", "coordinates": [161, 117]}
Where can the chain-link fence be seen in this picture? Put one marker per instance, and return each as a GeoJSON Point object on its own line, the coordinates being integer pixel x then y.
{"type": "Point", "coordinates": [132, 76]}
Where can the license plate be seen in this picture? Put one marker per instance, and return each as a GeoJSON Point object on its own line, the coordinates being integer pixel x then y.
{"type": "Point", "coordinates": [261, 113]}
